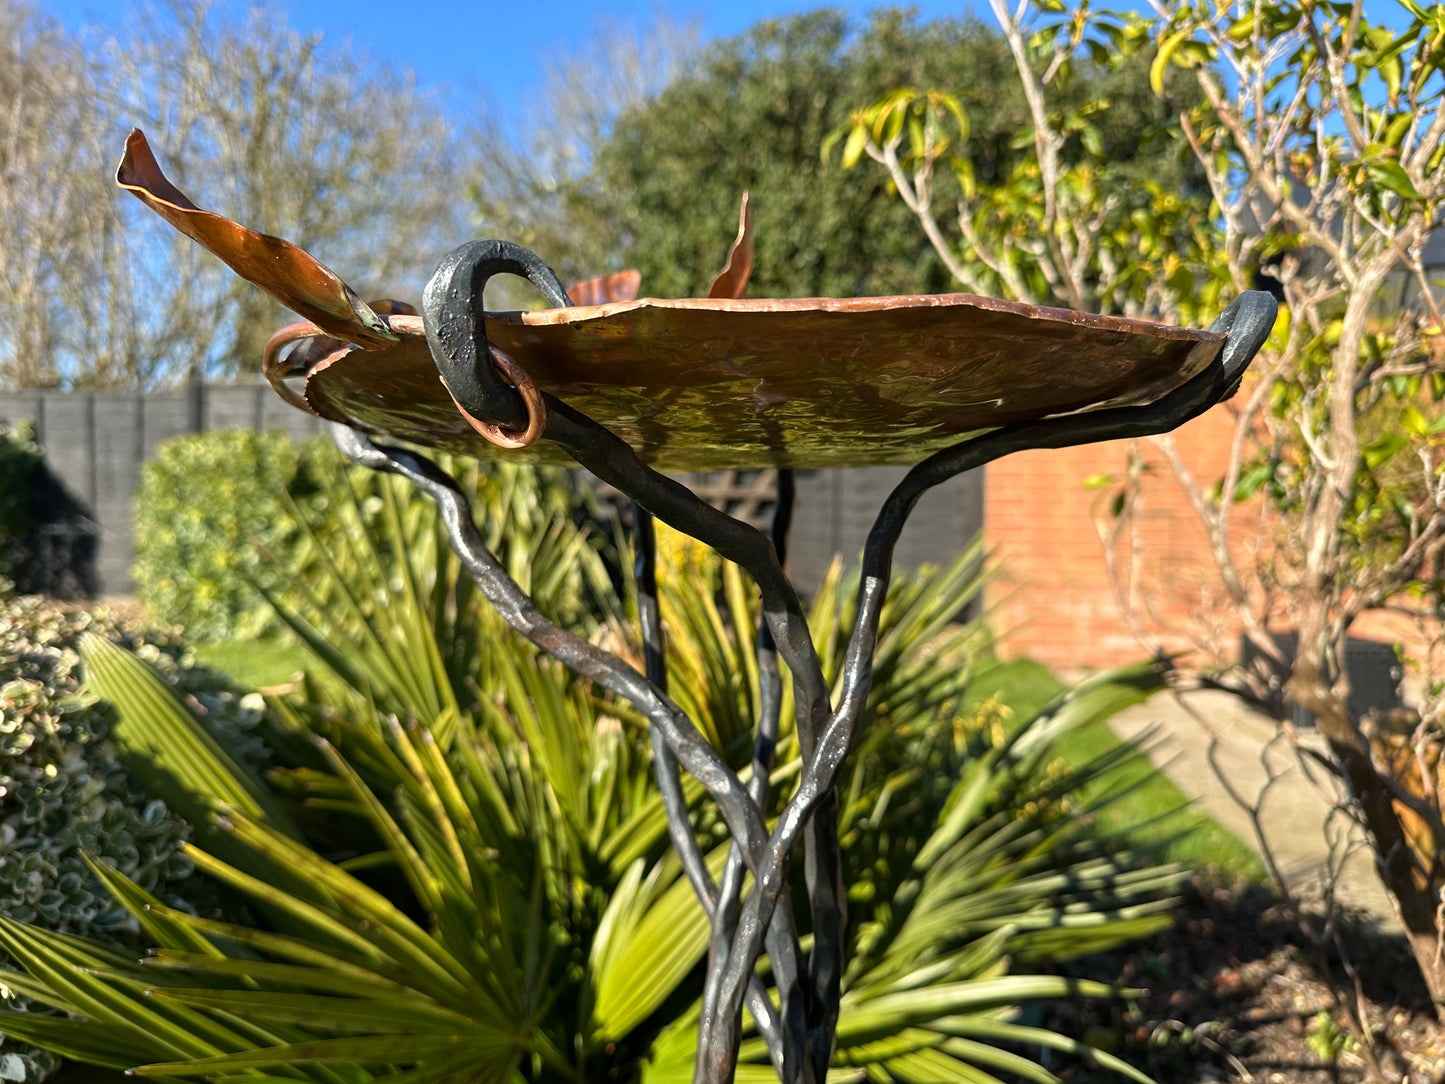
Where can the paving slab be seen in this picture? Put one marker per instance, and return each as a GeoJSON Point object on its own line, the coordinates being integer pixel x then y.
{"type": "Point", "coordinates": [1209, 739]}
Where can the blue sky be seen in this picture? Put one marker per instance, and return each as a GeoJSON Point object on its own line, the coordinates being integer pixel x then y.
{"type": "Point", "coordinates": [497, 49]}
{"type": "Point", "coordinates": [502, 46]}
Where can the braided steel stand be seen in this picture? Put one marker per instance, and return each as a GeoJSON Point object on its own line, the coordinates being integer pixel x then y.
{"type": "Point", "coordinates": [799, 1029]}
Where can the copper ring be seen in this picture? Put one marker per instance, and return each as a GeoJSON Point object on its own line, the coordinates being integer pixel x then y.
{"type": "Point", "coordinates": [275, 370]}
{"type": "Point", "coordinates": [531, 397]}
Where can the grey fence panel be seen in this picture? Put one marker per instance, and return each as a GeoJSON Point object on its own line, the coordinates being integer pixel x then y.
{"type": "Point", "coordinates": [117, 443]}
{"type": "Point", "coordinates": [20, 406]}
{"type": "Point", "coordinates": [66, 427]}
{"type": "Point", "coordinates": [236, 407]}
{"type": "Point", "coordinates": [166, 414]}
{"type": "Point", "coordinates": [97, 443]}
{"type": "Point", "coordinates": [835, 509]}
{"type": "Point", "coordinates": [815, 534]}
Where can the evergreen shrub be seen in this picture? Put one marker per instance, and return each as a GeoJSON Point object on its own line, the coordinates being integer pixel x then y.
{"type": "Point", "coordinates": [211, 513]}
{"type": "Point", "coordinates": [20, 460]}
{"type": "Point", "coordinates": [47, 538]}
{"type": "Point", "coordinates": [65, 794]}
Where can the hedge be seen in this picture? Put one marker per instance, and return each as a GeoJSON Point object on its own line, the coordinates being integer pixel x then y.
{"type": "Point", "coordinates": [213, 520]}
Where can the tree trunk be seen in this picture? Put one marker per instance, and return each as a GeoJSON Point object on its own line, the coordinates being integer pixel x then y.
{"type": "Point", "coordinates": [1417, 901]}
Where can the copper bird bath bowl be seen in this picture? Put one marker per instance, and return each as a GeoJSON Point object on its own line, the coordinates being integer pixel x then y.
{"type": "Point", "coordinates": [628, 387]}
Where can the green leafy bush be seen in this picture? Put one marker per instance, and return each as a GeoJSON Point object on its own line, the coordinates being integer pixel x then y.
{"type": "Point", "coordinates": [65, 791]}
{"type": "Point", "coordinates": [210, 509]}
{"type": "Point", "coordinates": [491, 890]}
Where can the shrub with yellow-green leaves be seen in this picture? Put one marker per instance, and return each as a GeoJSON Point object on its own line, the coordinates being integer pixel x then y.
{"type": "Point", "coordinates": [211, 513]}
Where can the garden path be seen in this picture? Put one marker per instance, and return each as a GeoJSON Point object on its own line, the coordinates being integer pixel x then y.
{"type": "Point", "coordinates": [1295, 812]}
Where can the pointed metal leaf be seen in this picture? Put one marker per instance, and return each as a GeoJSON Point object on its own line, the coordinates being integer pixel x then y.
{"type": "Point", "coordinates": [293, 277]}
{"type": "Point", "coordinates": [732, 280]}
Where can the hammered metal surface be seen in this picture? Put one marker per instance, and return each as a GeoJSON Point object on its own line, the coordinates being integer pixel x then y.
{"type": "Point", "coordinates": [702, 384]}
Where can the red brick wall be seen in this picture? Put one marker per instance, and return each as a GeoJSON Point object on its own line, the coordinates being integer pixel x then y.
{"type": "Point", "coordinates": [1052, 595]}
{"type": "Point", "coordinates": [1052, 592]}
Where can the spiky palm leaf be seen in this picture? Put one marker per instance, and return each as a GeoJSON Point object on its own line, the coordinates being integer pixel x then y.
{"type": "Point", "coordinates": [1011, 870]}
{"type": "Point", "coordinates": [386, 607]}
{"type": "Point", "coordinates": [471, 990]}
{"type": "Point", "coordinates": [494, 893]}
{"type": "Point", "coordinates": [474, 986]}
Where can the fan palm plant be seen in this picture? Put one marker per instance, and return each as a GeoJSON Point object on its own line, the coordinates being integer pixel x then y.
{"type": "Point", "coordinates": [475, 882]}
{"type": "Point", "coordinates": [384, 604]}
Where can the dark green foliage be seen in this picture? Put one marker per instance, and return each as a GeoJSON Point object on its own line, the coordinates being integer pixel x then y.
{"type": "Point", "coordinates": [47, 543]}
{"type": "Point", "coordinates": [752, 114]}
{"type": "Point", "coordinates": [65, 791]}
{"type": "Point", "coordinates": [20, 461]}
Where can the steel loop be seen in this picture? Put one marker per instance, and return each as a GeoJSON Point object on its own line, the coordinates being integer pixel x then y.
{"type": "Point", "coordinates": [531, 397]}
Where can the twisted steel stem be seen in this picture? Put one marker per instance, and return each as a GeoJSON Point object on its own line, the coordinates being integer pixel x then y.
{"type": "Point", "coordinates": [782, 943]}
{"type": "Point", "coordinates": [800, 1032]}
{"type": "Point", "coordinates": [1247, 321]}
{"type": "Point", "coordinates": [782, 1048]}
{"type": "Point", "coordinates": [594, 663]}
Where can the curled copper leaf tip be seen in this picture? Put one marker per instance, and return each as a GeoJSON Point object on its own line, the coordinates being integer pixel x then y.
{"type": "Point", "coordinates": [732, 280]}
{"type": "Point", "coordinates": [531, 396]}
{"type": "Point", "coordinates": [289, 274]}
{"type": "Point", "coordinates": [277, 363]}
{"type": "Point", "coordinates": [298, 349]}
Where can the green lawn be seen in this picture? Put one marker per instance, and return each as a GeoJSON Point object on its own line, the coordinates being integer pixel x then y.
{"type": "Point", "coordinates": [262, 663]}
{"type": "Point", "coordinates": [1198, 840]}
